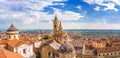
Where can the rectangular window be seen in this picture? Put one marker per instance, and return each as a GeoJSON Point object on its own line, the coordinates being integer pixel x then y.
{"type": "Point", "coordinates": [103, 54]}
{"type": "Point", "coordinates": [49, 54]}
{"type": "Point", "coordinates": [15, 37]}
{"type": "Point", "coordinates": [9, 37]}
{"type": "Point", "coordinates": [107, 54]}
{"type": "Point", "coordinates": [24, 51]}
{"type": "Point", "coordinates": [99, 54]}
{"type": "Point", "coordinates": [119, 53]}
{"type": "Point", "coordinates": [111, 53]}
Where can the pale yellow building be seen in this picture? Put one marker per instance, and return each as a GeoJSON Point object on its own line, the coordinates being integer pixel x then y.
{"type": "Point", "coordinates": [99, 44]}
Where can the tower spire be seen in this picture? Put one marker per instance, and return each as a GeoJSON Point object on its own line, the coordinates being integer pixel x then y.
{"type": "Point", "coordinates": [56, 17]}
{"type": "Point", "coordinates": [60, 27]}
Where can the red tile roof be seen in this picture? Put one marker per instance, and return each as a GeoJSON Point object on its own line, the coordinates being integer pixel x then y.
{"type": "Point", "coordinates": [15, 43]}
{"type": "Point", "coordinates": [4, 41]}
{"type": "Point", "coordinates": [108, 49]}
{"type": "Point", "coordinates": [8, 54]}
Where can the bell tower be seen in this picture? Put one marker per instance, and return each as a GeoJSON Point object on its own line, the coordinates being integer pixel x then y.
{"type": "Point", "coordinates": [60, 27]}
{"type": "Point", "coordinates": [58, 33]}
{"type": "Point", "coordinates": [55, 25]}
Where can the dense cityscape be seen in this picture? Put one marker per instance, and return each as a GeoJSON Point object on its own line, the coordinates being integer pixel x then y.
{"type": "Point", "coordinates": [59, 29]}
{"type": "Point", "coordinates": [58, 43]}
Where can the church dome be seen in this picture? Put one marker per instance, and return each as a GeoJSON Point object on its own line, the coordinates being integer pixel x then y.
{"type": "Point", "coordinates": [12, 28]}
{"type": "Point", "coordinates": [66, 48]}
{"type": "Point", "coordinates": [12, 32]}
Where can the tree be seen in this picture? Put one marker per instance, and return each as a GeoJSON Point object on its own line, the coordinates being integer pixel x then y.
{"type": "Point", "coordinates": [46, 37]}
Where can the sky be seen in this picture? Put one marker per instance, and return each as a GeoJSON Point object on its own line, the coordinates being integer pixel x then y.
{"type": "Point", "coordinates": [74, 14]}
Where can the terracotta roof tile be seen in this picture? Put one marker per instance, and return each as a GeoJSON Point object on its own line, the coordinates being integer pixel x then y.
{"type": "Point", "coordinates": [108, 49]}
{"type": "Point", "coordinates": [15, 43]}
{"type": "Point", "coordinates": [4, 41]}
{"type": "Point", "coordinates": [8, 54]}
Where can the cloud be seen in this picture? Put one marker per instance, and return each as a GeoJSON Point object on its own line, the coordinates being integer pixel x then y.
{"type": "Point", "coordinates": [30, 14]}
{"type": "Point", "coordinates": [110, 6]}
{"type": "Point", "coordinates": [67, 15]}
{"type": "Point", "coordinates": [22, 8]}
{"type": "Point", "coordinates": [41, 4]}
{"type": "Point", "coordinates": [97, 8]}
{"type": "Point", "coordinates": [78, 7]}
{"type": "Point", "coordinates": [107, 4]}
{"type": "Point", "coordinates": [99, 25]}
{"type": "Point", "coordinates": [117, 2]}
{"type": "Point", "coordinates": [83, 25]}
{"type": "Point", "coordinates": [30, 4]}
{"type": "Point", "coordinates": [62, 4]}
{"type": "Point", "coordinates": [38, 16]}
{"type": "Point", "coordinates": [93, 25]}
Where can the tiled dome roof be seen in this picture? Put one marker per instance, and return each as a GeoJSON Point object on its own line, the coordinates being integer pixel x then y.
{"type": "Point", "coordinates": [66, 48]}
{"type": "Point", "coordinates": [12, 28]}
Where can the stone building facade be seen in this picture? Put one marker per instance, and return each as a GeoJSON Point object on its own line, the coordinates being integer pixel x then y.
{"type": "Point", "coordinates": [58, 33]}
{"type": "Point", "coordinates": [60, 46]}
